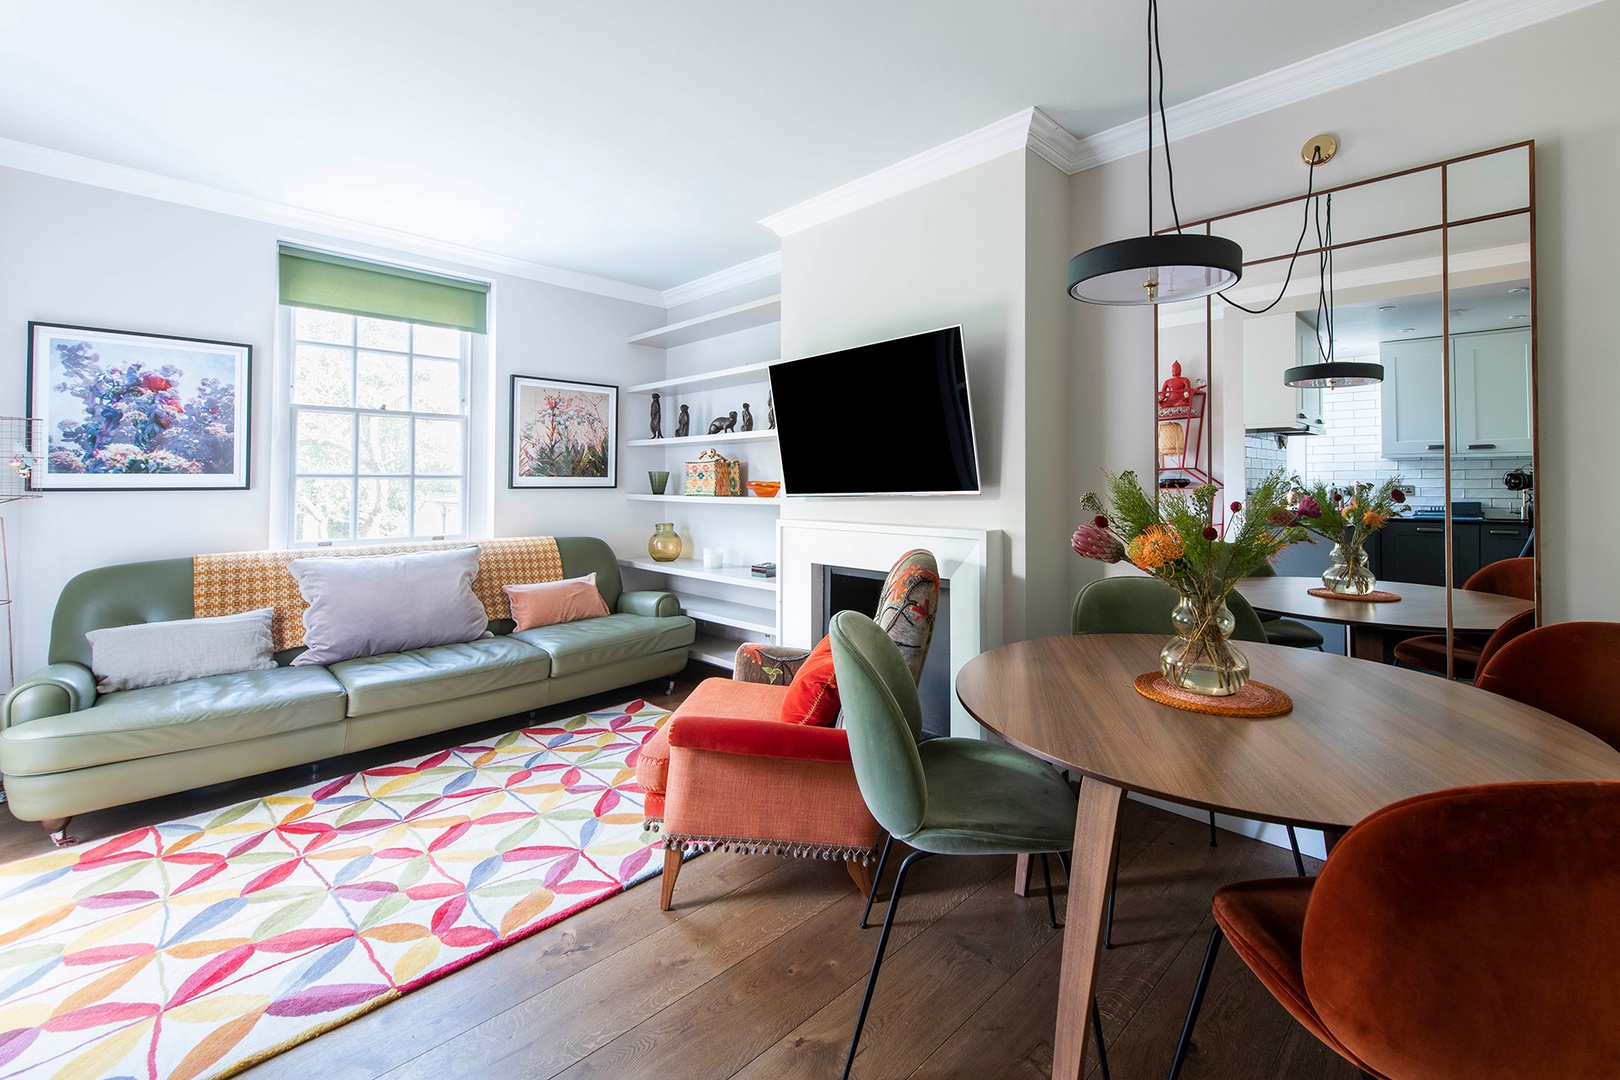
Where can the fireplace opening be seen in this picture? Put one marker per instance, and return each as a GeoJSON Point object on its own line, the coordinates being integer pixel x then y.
{"type": "Point", "coordinates": [847, 588]}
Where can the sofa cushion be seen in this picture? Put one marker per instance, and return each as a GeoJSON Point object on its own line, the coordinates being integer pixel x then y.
{"type": "Point", "coordinates": [593, 643]}
{"type": "Point", "coordinates": [363, 606]}
{"type": "Point", "coordinates": [440, 673]}
{"type": "Point", "coordinates": [547, 603]}
{"type": "Point", "coordinates": [179, 716]}
{"type": "Point", "coordinates": [171, 651]}
{"type": "Point", "coordinates": [812, 696]}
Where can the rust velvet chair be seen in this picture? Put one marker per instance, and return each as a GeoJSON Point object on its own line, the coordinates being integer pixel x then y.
{"type": "Point", "coordinates": [728, 771]}
{"type": "Point", "coordinates": [1569, 669]}
{"type": "Point", "coordinates": [1427, 652]}
{"type": "Point", "coordinates": [1470, 932]}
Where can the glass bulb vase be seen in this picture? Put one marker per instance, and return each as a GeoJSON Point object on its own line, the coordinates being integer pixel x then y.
{"type": "Point", "coordinates": [1201, 658]}
{"type": "Point", "coordinates": [1349, 574]}
{"type": "Point", "coordinates": [665, 545]}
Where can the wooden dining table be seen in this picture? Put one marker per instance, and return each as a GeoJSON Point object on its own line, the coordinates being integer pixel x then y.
{"type": "Point", "coordinates": [1421, 608]}
{"type": "Point", "coordinates": [1358, 738]}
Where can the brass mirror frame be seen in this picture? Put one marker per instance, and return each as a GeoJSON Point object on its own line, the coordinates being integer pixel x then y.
{"type": "Point", "coordinates": [1444, 226]}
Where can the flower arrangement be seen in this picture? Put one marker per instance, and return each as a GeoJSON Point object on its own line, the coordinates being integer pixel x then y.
{"type": "Point", "coordinates": [1177, 540]}
{"type": "Point", "coordinates": [1349, 521]}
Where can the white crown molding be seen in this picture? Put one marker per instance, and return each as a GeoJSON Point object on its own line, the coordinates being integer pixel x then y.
{"type": "Point", "coordinates": [744, 273]}
{"type": "Point", "coordinates": [975, 148]}
{"type": "Point", "coordinates": [28, 157]}
{"type": "Point", "coordinates": [1445, 31]}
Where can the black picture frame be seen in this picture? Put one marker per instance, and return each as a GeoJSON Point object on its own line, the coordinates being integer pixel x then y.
{"type": "Point", "coordinates": [562, 434]}
{"type": "Point", "coordinates": [158, 412]}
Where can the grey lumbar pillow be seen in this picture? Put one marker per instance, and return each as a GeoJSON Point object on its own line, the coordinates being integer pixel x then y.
{"type": "Point", "coordinates": [156, 653]}
{"type": "Point", "coordinates": [362, 606]}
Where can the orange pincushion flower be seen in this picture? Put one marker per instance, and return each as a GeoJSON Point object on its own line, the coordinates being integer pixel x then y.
{"type": "Point", "coordinates": [1154, 547]}
{"type": "Point", "coordinates": [1373, 519]}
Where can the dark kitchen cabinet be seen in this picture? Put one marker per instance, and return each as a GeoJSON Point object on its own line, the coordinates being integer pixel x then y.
{"type": "Point", "coordinates": [1413, 549]}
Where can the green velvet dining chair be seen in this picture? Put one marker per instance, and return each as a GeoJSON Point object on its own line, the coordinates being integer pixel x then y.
{"type": "Point", "coordinates": [944, 796]}
{"type": "Point", "coordinates": [1142, 605]}
{"type": "Point", "coordinates": [1289, 632]}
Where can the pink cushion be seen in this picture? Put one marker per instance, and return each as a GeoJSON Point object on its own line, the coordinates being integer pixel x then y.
{"type": "Point", "coordinates": [550, 602]}
{"type": "Point", "coordinates": [812, 697]}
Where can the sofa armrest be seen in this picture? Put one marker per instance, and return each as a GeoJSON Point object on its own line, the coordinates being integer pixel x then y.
{"type": "Point", "coordinates": [774, 664]}
{"type": "Point", "coordinates": [650, 602]}
{"type": "Point", "coordinates": [758, 738]}
{"type": "Point", "coordinates": [50, 691]}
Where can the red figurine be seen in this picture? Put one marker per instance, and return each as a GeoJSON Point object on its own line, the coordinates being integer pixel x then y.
{"type": "Point", "coordinates": [1176, 389]}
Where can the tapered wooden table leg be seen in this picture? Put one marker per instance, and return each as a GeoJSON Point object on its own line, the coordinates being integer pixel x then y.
{"type": "Point", "coordinates": [1367, 643]}
{"type": "Point", "coordinates": [1096, 833]}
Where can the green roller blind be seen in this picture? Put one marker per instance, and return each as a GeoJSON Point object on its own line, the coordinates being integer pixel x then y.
{"type": "Point", "coordinates": [317, 279]}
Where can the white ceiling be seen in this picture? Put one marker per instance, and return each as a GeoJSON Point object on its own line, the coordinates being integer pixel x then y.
{"type": "Point", "coordinates": [637, 140]}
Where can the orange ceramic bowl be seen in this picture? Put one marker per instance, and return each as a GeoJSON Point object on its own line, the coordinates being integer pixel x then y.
{"type": "Point", "coordinates": [765, 489]}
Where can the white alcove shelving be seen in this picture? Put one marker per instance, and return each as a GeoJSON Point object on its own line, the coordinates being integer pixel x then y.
{"type": "Point", "coordinates": [712, 363]}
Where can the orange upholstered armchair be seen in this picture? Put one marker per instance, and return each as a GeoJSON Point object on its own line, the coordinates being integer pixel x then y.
{"type": "Point", "coordinates": [1464, 933]}
{"type": "Point", "coordinates": [1568, 669]}
{"type": "Point", "coordinates": [753, 763]}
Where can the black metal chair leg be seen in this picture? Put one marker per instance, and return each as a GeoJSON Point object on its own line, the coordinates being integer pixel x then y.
{"type": "Point", "coordinates": [1051, 904]}
{"type": "Point", "coordinates": [1108, 923]}
{"type": "Point", "coordinates": [1212, 837]}
{"type": "Point", "coordinates": [877, 961]}
{"type": "Point", "coordinates": [1197, 1002]}
{"type": "Point", "coordinates": [1293, 842]}
{"type": "Point", "coordinates": [1096, 1033]}
{"type": "Point", "coordinates": [877, 877]}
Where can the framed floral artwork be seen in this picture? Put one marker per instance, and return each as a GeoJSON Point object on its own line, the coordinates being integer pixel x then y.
{"type": "Point", "coordinates": [564, 434]}
{"type": "Point", "coordinates": [138, 412]}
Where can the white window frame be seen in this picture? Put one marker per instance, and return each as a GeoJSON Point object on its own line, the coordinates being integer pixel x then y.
{"type": "Point", "coordinates": [477, 442]}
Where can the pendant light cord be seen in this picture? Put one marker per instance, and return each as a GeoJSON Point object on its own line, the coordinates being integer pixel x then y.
{"type": "Point", "coordinates": [1324, 285]}
{"type": "Point", "coordinates": [1156, 62]}
{"type": "Point", "coordinates": [1299, 245]}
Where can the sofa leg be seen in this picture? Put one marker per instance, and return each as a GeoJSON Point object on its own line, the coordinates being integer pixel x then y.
{"type": "Point", "coordinates": [861, 875]}
{"type": "Point", "coordinates": [672, 868]}
{"type": "Point", "coordinates": [57, 828]}
{"type": "Point", "coordinates": [670, 687]}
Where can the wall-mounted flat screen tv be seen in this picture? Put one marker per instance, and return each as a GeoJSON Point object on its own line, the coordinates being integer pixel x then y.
{"type": "Point", "coordinates": [889, 418]}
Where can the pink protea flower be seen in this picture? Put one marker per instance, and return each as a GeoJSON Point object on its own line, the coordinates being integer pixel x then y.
{"type": "Point", "coordinates": [1309, 508]}
{"type": "Point", "coordinates": [1099, 544]}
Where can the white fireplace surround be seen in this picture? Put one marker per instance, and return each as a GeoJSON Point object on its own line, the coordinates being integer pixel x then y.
{"type": "Point", "coordinates": [965, 557]}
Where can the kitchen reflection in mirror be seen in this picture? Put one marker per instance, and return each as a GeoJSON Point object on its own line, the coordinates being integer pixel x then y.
{"type": "Point", "coordinates": [1433, 280]}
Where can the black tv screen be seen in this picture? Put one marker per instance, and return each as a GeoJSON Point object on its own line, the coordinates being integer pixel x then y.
{"type": "Point", "coordinates": [890, 418]}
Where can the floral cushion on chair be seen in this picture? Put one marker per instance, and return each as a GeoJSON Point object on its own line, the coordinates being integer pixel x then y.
{"type": "Point", "coordinates": [910, 600]}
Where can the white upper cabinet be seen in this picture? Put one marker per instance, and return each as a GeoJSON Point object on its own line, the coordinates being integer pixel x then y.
{"type": "Point", "coordinates": [1414, 415]}
{"type": "Point", "coordinates": [1492, 386]}
{"type": "Point", "coordinates": [1271, 345]}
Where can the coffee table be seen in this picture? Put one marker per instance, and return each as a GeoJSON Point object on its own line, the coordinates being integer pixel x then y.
{"type": "Point", "coordinates": [1420, 607]}
{"type": "Point", "coordinates": [1359, 737]}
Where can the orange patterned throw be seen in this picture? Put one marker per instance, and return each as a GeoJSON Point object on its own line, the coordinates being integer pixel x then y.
{"type": "Point", "coordinates": [238, 581]}
{"type": "Point", "coordinates": [1256, 700]}
{"type": "Point", "coordinates": [1375, 596]}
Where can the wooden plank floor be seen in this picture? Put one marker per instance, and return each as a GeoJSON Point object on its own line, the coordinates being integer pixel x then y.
{"type": "Point", "coordinates": [758, 971]}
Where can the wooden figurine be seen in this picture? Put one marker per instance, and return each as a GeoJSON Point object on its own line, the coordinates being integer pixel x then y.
{"type": "Point", "coordinates": [657, 421]}
{"type": "Point", "coordinates": [747, 419]}
{"type": "Point", "coordinates": [724, 423]}
{"type": "Point", "coordinates": [683, 424]}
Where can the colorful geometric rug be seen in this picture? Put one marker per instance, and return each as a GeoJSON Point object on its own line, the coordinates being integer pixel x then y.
{"type": "Point", "coordinates": [197, 947]}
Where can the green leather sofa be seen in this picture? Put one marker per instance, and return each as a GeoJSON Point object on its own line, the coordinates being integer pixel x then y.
{"type": "Point", "coordinates": [66, 751]}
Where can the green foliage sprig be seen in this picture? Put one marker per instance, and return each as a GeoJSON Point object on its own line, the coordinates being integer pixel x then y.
{"type": "Point", "coordinates": [1176, 538]}
{"type": "Point", "coordinates": [1366, 509]}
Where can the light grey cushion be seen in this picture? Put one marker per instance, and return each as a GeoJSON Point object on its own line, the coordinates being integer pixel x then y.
{"type": "Point", "coordinates": [159, 653]}
{"type": "Point", "coordinates": [363, 606]}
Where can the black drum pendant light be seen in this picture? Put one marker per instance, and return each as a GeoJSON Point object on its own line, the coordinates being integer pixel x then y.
{"type": "Point", "coordinates": [1328, 372]}
{"type": "Point", "coordinates": [1155, 269]}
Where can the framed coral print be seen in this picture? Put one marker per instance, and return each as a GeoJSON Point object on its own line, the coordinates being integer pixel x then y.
{"type": "Point", "coordinates": [131, 412]}
{"type": "Point", "coordinates": [564, 434]}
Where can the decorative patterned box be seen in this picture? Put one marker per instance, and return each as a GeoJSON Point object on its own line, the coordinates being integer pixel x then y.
{"type": "Point", "coordinates": [712, 474]}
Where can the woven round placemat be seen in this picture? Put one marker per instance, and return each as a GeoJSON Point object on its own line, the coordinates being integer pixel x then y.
{"type": "Point", "coordinates": [1377, 596]}
{"type": "Point", "coordinates": [1256, 699]}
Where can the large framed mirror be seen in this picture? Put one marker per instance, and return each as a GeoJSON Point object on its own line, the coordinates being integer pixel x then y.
{"type": "Point", "coordinates": [1434, 279]}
